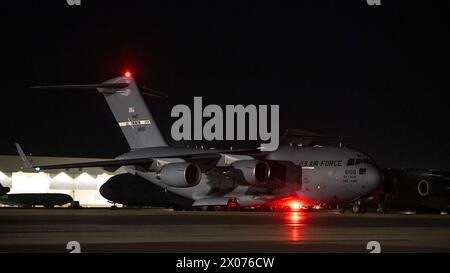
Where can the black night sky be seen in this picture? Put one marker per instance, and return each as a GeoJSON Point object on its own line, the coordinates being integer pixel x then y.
{"type": "Point", "coordinates": [376, 74]}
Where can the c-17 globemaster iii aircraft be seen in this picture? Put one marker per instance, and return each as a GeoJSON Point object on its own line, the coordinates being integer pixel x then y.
{"type": "Point", "coordinates": [211, 178]}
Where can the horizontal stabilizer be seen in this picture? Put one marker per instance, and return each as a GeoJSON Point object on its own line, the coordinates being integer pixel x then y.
{"type": "Point", "coordinates": [118, 85]}
{"type": "Point", "coordinates": [152, 92]}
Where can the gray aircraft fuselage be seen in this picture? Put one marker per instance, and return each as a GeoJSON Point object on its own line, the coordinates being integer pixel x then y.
{"type": "Point", "coordinates": [325, 175]}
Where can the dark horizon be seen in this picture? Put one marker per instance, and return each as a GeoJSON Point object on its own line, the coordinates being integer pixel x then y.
{"type": "Point", "coordinates": [376, 74]}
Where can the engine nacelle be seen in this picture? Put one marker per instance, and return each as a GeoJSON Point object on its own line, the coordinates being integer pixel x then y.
{"type": "Point", "coordinates": [423, 188]}
{"type": "Point", "coordinates": [252, 171]}
{"type": "Point", "coordinates": [180, 175]}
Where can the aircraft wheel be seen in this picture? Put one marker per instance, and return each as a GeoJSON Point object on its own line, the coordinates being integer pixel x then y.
{"type": "Point", "coordinates": [446, 210]}
{"type": "Point", "coordinates": [381, 208]}
{"type": "Point", "coordinates": [363, 209]}
{"type": "Point", "coordinates": [356, 208]}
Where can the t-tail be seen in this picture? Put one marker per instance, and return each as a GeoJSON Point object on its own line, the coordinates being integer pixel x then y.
{"type": "Point", "coordinates": [129, 108]}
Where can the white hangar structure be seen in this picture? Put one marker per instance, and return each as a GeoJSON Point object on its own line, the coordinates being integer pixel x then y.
{"type": "Point", "coordinates": [81, 184]}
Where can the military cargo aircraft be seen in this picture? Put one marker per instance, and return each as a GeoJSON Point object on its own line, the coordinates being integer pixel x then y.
{"type": "Point", "coordinates": [211, 178]}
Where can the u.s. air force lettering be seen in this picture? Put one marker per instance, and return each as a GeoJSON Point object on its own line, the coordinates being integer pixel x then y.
{"type": "Point", "coordinates": [321, 163]}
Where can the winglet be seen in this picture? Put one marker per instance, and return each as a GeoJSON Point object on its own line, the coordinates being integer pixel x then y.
{"type": "Point", "coordinates": [26, 164]}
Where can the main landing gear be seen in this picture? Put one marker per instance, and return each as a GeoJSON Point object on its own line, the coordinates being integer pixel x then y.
{"type": "Point", "coordinates": [359, 207]}
{"type": "Point", "coordinates": [113, 205]}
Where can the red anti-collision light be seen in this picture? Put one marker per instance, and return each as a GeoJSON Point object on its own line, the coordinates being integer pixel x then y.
{"type": "Point", "coordinates": [127, 74]}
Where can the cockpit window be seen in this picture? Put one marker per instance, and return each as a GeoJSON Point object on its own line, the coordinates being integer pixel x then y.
{"type": "Point", "coordinates": [367, 161]}
{"type": "Point", "coordinates": [357, 161]}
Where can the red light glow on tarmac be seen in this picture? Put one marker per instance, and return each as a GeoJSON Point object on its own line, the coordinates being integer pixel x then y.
{"type": "Point", "coordinates": [290, 203]}
{"type": "Point", "coordinates": [293, 222]}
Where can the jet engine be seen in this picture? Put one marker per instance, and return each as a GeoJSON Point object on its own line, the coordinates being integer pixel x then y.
{"type": "Point", "coordinates": [180, 175]}
{"type": "Point", "coordinates": [423, 188]}
{"type": "Point", "coordinates": [252, 171]}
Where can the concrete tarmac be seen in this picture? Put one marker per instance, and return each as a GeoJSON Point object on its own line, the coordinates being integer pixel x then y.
{"type": "Point", "coordinates": [161, 230]}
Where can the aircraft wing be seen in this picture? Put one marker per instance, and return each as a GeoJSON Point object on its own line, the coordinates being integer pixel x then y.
{"type": "Point", "coordinates": [208, 156]}
{"type": "Point", "coordinates": [104, 163]}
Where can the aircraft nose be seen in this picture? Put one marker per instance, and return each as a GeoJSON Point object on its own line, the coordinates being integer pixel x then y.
{"type": "Point", "coordinates": [374, 177]}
